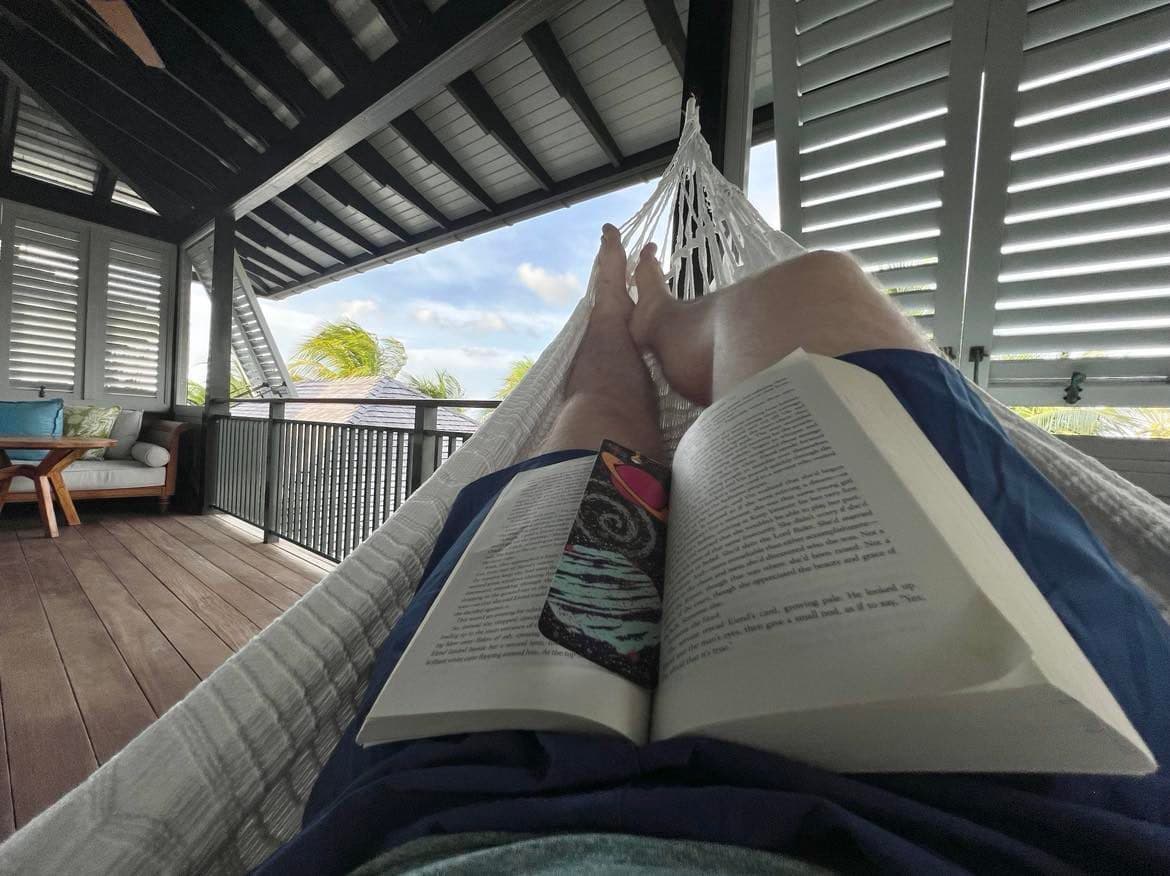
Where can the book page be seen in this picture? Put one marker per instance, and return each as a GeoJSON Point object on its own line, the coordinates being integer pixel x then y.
{"type": "Point", "coordinates": [479, 661]}
{"type": "Point", "coordinates": [802, 575]}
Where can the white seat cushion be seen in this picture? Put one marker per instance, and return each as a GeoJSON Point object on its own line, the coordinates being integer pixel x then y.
{"type": "Point", "coordinates": [103, 474]}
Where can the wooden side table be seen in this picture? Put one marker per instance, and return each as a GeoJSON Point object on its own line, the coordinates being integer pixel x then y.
{"type": "Point", "coordinates": [46, 473]}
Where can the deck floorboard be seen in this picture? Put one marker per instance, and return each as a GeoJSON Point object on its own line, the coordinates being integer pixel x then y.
{"type": "Point", "coordinates": [108, 626]}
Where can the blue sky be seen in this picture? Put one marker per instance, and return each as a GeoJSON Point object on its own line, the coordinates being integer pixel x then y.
{"type": "Point", "coordinates": [475, 306]}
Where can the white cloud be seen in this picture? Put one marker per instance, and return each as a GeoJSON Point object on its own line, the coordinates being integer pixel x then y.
{"type": "Point", "coordinates": [549, 287]}
{"type": "Point", "coordinates": [450, 316]}
{"type": "Point", "coordinates": [481, 370]}
{"type": "Point", "coordinates": [354, 308]}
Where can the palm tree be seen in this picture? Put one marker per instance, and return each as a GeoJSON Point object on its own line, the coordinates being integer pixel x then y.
{"type": "Point", "coordinates": [238, 386]}
{"type": "Point", "coordinates": [516, 372]}
{"type": "Point", "coordinates": [343, 349]}
{"type": "Point", "coordinates": [441, 384]}
{"type": "Point", "coordinates": [1107, 422]}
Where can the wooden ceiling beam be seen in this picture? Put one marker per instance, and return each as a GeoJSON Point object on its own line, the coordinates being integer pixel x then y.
{"type": "Point", "coordinates": [315, 211]}
{"type": "Point", "coordinates": [668, 26]}
{"type": "Point", "coordinates": [338, 187]}
{"type": "Point", "coordinates": [478, 104]}
{"type": "Point", "coordinates": [234, 29]}
{"type": "Point", "coordinates": [404, 16]}
{"type": "Point", "coordinates": [259, 257]}
{"type": "Point", "coordinates": [103, 184]}
{"type": "Point", "coordinates": [86, 208]}
{"type": "Point", "coordinates": [255, 269]}
{"type": "Point", "coordinates": [290, 227]}
{"type": "Point", "coordinates": [318, 28]}
{"type": "Point", "coordinates": [198, 67]}
{"type": "Point", "coordinates": [423, 141]}
{"type": "Point", "coordinates": [258, 282]}
{"type": "Point", "coordinates": [374, 163]}
{"type": "Point", "coordinates": [264, 238]}
{"type": "Point", "coordinates": [9, 110]}
{"type": "Point", "coordinates": [133, 98]}
{"type": "Point", "coordinates": [542, 42]}
{"type": "Point", "coordinates": [464, 35]}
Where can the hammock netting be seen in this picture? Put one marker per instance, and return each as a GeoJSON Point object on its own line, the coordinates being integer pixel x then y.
{"type": "Point", "coordinates": [220, 780]}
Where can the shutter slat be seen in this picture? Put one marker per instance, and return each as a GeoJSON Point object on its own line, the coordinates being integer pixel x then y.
{"type": "Point", "coordinates": [1132, 367]}
{"type": "Point", "coordinates": [1091, 258]}
{"type": "Point", "coordinates": [1149, 149]}
{"type": "Point", "coordinates": [1118, 285]}
{"type": "Point", "coordinates": [1129, 117]}
{"type": "Point", "coordinates": [1083, 227]}
{"type": "Point", "coordinates": [885, 115]}
{"type": "Point", "coordinates": [1068, 318]}
{"type": "Point", "coordinates": [1135, 187]}
{"type": "Point", "coordinates": [862, 25]}
{"type": "Point", "coordinates": [855, 238]}
{"type": "Point", "coordinates": [851, 59]}
{"type": "Point", "coordinates": [1101, 88]}
{"type": "Point", "coordinates": [920, 277]}
{"type": "Point", "coordinates": [873, 177]}
{"type": "Point", "coordinates": [812, 13]}
{"type": "Point", "coordinates": [1070, 17]}
{"type": "Point", "coordinates": [916, 137]}
{"type": "Point", "coordinates": [914, 302]}
{"type": "Point", "coordinates": [1132, 34]}
{"type": "Point", "coordinates": [890, 202]}
{"type": "Point", "coordinates": [898, 255]}
{"type": "Point", "coordinates": [1073, 342]}
{"type": "Point", "coordinates": [916, 70]}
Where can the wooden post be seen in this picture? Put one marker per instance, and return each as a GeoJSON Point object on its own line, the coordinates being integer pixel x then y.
{"type": "Point", "coordinates": [219, 355]}
{"type": "Point", "coordinates": [786, 115]}
{"type": "Point", "coordinates": [422, 446]}
{"type": "Point", "coordinates": [272, 466]}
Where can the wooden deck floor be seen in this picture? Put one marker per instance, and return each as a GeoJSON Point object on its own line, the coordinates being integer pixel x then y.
{"type": "Point", "coordinates": [105, 628]}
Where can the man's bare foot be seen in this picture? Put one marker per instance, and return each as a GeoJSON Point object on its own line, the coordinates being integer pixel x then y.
{"type": "Point", "coordinates": [654, 298]}
{"type": "Point", "coordinates": [612, 292]}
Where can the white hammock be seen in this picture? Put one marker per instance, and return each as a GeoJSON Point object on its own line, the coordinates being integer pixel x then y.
{"type": "Point", "coordinates": [220, 780]}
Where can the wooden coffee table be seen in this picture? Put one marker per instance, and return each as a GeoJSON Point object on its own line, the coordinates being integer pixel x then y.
{"type": "Point", "coordinates": [46, 473]}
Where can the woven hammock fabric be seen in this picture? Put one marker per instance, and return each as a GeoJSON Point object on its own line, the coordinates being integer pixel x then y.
{"type": "Point", "coordinates": [220, 780]}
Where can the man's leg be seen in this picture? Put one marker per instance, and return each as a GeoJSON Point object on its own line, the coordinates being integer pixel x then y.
{"type": "Point", "coordinates": [821, 301]}
{"type": "Point", "coordinates": [609, 393]}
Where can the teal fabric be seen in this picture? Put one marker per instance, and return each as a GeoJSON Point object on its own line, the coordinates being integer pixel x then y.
{"type": "Point", "coordinates": [40, 417]}
{"type": "Point", "coordinates": [579, 853]}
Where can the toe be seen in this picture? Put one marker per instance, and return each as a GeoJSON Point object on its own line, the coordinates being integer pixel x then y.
{"type": "Point", "coordinates": [648, 276]}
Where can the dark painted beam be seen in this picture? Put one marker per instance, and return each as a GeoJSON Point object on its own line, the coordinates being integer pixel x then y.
{"type": "Point", "coordinates": [261, 259]}
{"type": "Point", "coordinates": [669, 28]}
{"type": "Point", "coordinates": [405, 17]}
{"type": "Point", "coordinates": [9, 110]}
{"type": "Point", "coordinates": [133, 98]}
{"type": "Point", "coordinates": [255, 269]}
{"type": "Point", "coordinates": [103, 185]}
{"type": "Point", "coordinates": [542, 42]}
{"type": "Point", "coordinates": [198, 67]}
{"type": "Point", "coordinates": [478, 104]}
{"type": "Point", "coordinates": [314, 211]}
{"type": "Point", "coordinates": [287, 225]}
{"type": "Point", "coordinates": [465, 34]}
{"type": "Point", "coordinates": [705, 75]}
{"type": "Point", "coordinates": [234, 29]}
{"type": "Point", "coordinates": [262, 237]}
{"type": "Point", "coordinates": [338, 187]}
{"type": "Point", "coordinates": [259, 284]}
{"type": "Point", "coordinates": [423, 141]}
{"type": "Point", "coordinates": [369, 159]}
{"type": "Point", "coordinates": [86, 208]}
{"type": "Point", "coordinates": [318, 28]}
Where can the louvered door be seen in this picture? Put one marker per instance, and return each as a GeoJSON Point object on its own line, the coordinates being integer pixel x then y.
{"type": "Point", "coordinates": [861, 98]}
{"type": "Point", "coordinates": [137, 288]}
{"type": "Point", "coordinates": [42, 283]}
{"type": "Point", "coordinates": [1076, 274]}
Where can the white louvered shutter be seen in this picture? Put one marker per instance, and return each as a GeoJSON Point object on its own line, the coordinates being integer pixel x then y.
{"type": "Point", "coordinates": [46, 150]}
{"type": "Point", "coordinates": [47, 265]}
{"type": "Point", "coordinates": [870, 129]}
{"type": "Point", "coordinates": [1082, 282]}
{"type": "Point", "coordinates": [137, 284]}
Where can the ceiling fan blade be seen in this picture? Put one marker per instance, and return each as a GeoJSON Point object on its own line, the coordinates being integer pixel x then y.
{"type": "Point", "coordinates": [120, 19]}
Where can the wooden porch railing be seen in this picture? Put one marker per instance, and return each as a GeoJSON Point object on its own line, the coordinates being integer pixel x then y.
{"type": "Point", "coordinates": [324, 486]}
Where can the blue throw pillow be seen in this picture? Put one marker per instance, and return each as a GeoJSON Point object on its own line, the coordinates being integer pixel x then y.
{"type": "Point", "coordinates": [41, 417]}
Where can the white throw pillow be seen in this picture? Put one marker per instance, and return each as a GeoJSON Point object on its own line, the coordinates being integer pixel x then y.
{"type": "Point", "coordinates": [126, 429]}
{"type": "Point", "coordinates": [150, 454]}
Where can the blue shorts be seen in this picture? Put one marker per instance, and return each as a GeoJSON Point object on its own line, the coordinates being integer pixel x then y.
{"type": "Point", "coordinates": [369, 800]}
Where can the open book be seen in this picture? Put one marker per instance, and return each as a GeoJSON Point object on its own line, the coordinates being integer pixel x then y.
{"type": "Point", "coordinates": [832, 593]}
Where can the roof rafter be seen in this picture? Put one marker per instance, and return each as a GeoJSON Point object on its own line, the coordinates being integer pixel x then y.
{"type": "Point", "coordinates": [423, 141]}
{"type": "Point", "coordinates": [464, 35]}
{"type": "Point", "coordinates": [318, 28]}
{"type": "Point", "coordinates": [339, 188]}
{"type": "Point", "coordinates": [196, 65]}
{"type": "Point", "coordinates": [103, 184]}
{"type": "Point", "coordinates": [315, 211]}
{"type": "Point", "coordinates": [257, 256]}
{"type": "Point", "coordinates": [289, 226]}
{"type": "Point", "coordinates": [85, 207]}
{"type": "Point", "coordinates": [542, 42]}
{"type": "Point", "coordinates": [235, 30]}
{"type": "Point", "coordinates": [369, 159]}
{"type": "Point", "coordinates": [256, 269]}
{"type": "Point", "coordinates": [10, 95]}
{"type": "Point", "coordinates": [668, 26]}
{"type": "Point", "coordinates": [264, 238]}
{"type": "Point", "coordinates": [478, 104]}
